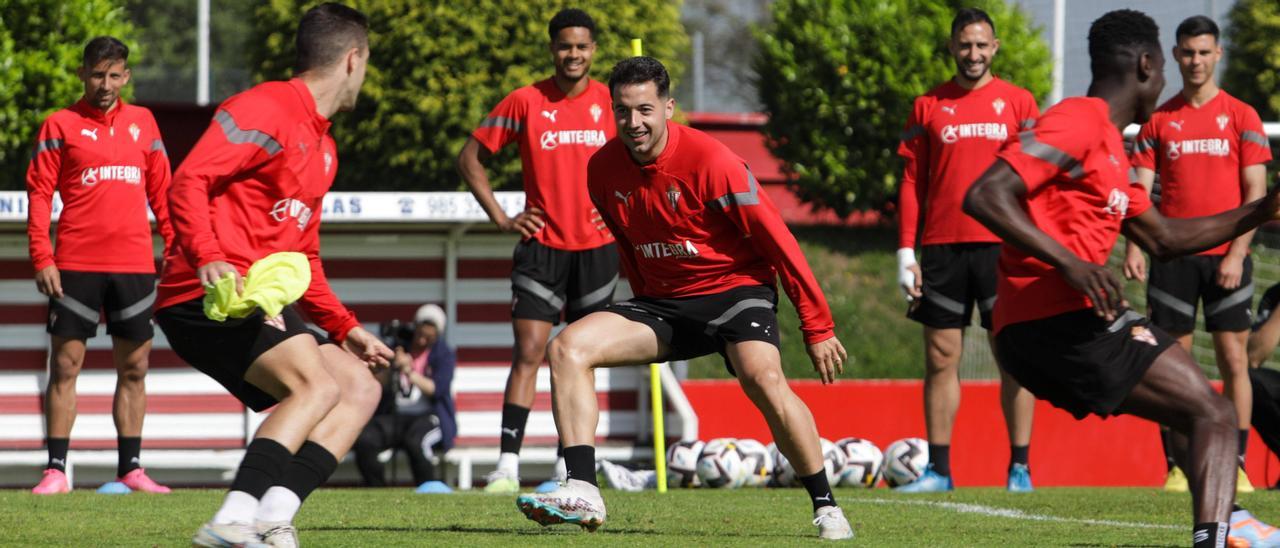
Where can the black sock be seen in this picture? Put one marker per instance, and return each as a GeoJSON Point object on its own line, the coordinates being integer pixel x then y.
{"type": "Point", "coordinates": [1209, 535]}
{"type": "Point", "coordinates": [128, 450]}
{"type": "Point", "coordinates": [58, 453]}
{"type": "Point", "coordinates": [1167, 444]}
{"type": "Point", "coordinates": [310, 468]}
{"type": "Point", "coordinates": [819, 489]}
{"type": "Point", "coordinates": [1019, 454]}
{"type": "Point", "coordinates": [940, 458]}
{"type": "Point", "coordinates": [514, 418]}
{"type": "Point", "coordinates": [264, 463]}
{"type": "Point", "coordinates": [559, 450]}
{"type": "Point", "coordinates": [1244, 444]}
{"type": "Point", "coordinates": [580, 462]}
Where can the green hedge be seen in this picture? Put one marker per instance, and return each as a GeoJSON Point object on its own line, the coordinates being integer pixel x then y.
{"type": "Point", "coordinates": [838, 78]}
{"type": "Point", "coordinates": [41, 43]}
{"type": "Point", "coordinates": [1253, 55]}
{"type": "Point", "coordinates": [438, 68]}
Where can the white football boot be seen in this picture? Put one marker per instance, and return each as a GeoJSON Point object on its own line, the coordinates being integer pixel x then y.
{"type": "Point", "coordinates": [832, 524]}
{"type": "Point", "coordinates": [281, 534]}
{"type": "Point", "coordinates": [574, 501]}
{"type": "Point", "coordinates": [227, 535]}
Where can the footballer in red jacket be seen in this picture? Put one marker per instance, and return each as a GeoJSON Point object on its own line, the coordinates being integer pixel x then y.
{"type": "Point", "coordinates": [703, 247]}
{"type": "Point", "coordinates": [252, 186]}
{"type": "Point", "coordinates": [951, 136]}
{"type": "Point", "coordinates": [565, 262]}
{"type": "Point", "coordinates": [106, 159]}
{"type": "Point", "coordinates": [1211, 152]}
{"type": "Point", "coordinates": [1059, 196]}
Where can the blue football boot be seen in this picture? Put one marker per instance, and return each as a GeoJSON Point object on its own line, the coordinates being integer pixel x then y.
{"type": "Point", "coordinates": [1020, 479]}
{"type": "Point", "coordinates": [928, 482]}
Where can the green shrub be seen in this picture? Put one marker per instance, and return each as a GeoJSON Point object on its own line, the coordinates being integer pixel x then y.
{"type": "Point", "coordinates": [838, 78]}
{"type": "Point", "coordinates": [41, 43]}
{"type": "Point", "coordinates": [438, 68]}
{"type": "Point", "coordinates": [1253, 55]}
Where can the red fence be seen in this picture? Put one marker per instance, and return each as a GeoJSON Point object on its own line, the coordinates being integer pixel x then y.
{"type": "Point", "coordinates": [1117, 451]}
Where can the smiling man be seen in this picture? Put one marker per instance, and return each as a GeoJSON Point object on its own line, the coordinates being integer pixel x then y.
{"type": "Point", "coordinates": [1210, 151]}
{"type": "Point", "coordinates": [565, 261]}
{"type": "Point", "coordinates": [953, 133]}
{"type": "Point", "coordinates": [1059, 196]}
{"type": "Point", "coordinates": [107, 161]}
{"type": "Point", "coordinates": [703, 248]}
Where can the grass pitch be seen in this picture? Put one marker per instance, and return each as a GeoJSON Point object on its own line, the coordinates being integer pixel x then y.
{"type": "Point", "coordinates": [754, 517]}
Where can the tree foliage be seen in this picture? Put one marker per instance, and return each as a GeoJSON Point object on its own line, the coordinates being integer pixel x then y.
{"type": "Point", "coordinates": [167, 28]}
{"type": "Point", "coordinates": [437, 68]}
{"type": "Point", "coordinates": [838, 78]}
{"type": "Point", "coordinates": [41, 42]}
{"type": "Point", "coordinates": [1253, 55]}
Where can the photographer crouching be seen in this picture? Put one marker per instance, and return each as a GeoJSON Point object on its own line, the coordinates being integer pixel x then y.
{"type": "Point", "coordinates": [417, 413]}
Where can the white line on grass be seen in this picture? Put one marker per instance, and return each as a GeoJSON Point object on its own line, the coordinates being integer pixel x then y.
{"type": "Point", "coordinates": [1011, 513]}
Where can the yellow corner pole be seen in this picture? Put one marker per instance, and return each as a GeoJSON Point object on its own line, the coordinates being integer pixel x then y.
{"type": "Point", "coordinates": [655, 383]}
{"type": "Point", "coordinates": [659, 430]}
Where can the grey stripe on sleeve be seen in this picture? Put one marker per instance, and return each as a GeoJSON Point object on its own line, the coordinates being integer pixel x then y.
{"type": "Point", "coordinates": [750, 197]}
{"type": "Point", "coordinates": [503, 122]}
{"type": "Point", "coordinates": [241, 136]}
{"type": "Point", "coordinates": [1049, 153]}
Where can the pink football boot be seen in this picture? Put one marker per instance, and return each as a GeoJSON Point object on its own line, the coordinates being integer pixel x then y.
{"type": "Point", "coordinates": [54, 482]}
{"type": "Point", "coordinates": [138, 481]}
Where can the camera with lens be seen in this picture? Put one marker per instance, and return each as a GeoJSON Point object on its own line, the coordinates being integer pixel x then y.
{"type": "Point", "coordinates": [395, 333]}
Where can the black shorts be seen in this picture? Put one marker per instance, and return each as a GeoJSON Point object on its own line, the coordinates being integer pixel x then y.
{"type": "Point", "coordinates": [1178, 285]}
{"type": "Point", "coordinates": [1266, 305]}
{"type": "Point", "coordinates": [225, 350]}
{"type": "Point", "coordinates": [956, 277]}
{"type": "Point", "coordinates": [545, 281]}
{"type": "Point", "coordinates": [701, 325]}
{"type": "Point", "coordinates": [1080, 362]}
{"type": "Point", "coordinates": [127, 299]}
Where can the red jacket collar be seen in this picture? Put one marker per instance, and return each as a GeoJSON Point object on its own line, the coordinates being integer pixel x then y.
{"type": "Point", "coordinates": [89, 111]}
{"type": "Point", "coordinates": [309, 103]}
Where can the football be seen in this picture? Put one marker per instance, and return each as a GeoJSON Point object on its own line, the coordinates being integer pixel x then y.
{"type": "Point", "coordinates": [682, 463]}
{"type": "Point", "coordinates": [720, 464]}
{"type": "Point", "coordinates": [757, 462]}
{"type": "Point", "coordinates": [905, 460]}
{"type": "Point", "coordinates": [863, 463]}
{"type": "Point", "coordinates": [783, 474]}
{"type": "Point", "coordinates": [833, 461]}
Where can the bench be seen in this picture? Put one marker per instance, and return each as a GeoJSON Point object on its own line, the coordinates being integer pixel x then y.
{"type": "Point", "coordinates": [382, 275]}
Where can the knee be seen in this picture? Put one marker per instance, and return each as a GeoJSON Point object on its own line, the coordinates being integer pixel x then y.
{"type": "Point", "coordinates": [64, 368]}
{"type": "Point", "coordinates": [566, 354]}
{"type": "Point", "coordinates": [362, 391]}
{"type": "Point", "coordinates": [319, 389]}
{"type": "Point", "coordinates": [530, 354]}
{"type": "Point", "coordinates": [759, 384]}
{"type": "Point", "coordinates": [132, 372]}
{"type": "Point", "coordinates": [942, 355]}
{"type": "Point", "coordinates": [1220, 412]}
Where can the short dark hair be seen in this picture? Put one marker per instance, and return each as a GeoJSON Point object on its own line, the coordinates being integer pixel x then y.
{"type": "Point", "coordinates": [326, 32]}
{"type": "Point", "coordinates": [969, 16]}
{"type": "Point", "coordinates": [104, 48]}
{"type": "Point", "coordinates": [1196, 25]}
{"type": "Point", "coordinates": [570, 17]}
{"type": "Point", "coordinates": [638, 70]}
{"type": "Point", "coordinates": [1118, 38]}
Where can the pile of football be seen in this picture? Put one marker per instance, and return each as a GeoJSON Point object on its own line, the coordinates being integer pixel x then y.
{"type": "Point", "coordinates": [729, 463]}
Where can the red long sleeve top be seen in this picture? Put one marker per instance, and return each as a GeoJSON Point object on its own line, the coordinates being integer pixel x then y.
{"type": "Point", "coordinates": [107, 166]}
{"type": "Point", "coordinates": [695, 222]}
{"type": "Point", "coordinates": [252, 186]}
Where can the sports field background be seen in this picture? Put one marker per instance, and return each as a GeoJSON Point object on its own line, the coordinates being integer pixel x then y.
{"type": "Point", "coordinates": [689, 517]}
{"type": "Point", "coordinates": [858, 273]}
